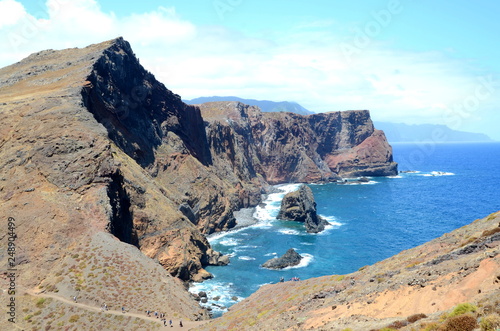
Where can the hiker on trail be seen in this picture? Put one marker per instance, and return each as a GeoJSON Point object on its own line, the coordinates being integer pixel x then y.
{"type": "Point", "coordinates": [180, 324]}
{"type": "Point", "coordinates": [74, 298]}
{"type": "Point", "coordinates": [164, 322]}
{"type": "Point", "coordinates": [123, 310]}
{"type": "Point", "coordinates": [171, 323]}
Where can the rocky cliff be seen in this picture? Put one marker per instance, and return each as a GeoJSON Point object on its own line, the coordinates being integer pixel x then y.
{"type": "Point", "coordinates": [287, 147]}
{"type": "Point", "coordinates": [97, 155]}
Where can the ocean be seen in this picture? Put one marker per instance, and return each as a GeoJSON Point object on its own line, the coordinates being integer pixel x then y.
{"type": "Point", "coordinates": [441, 187]}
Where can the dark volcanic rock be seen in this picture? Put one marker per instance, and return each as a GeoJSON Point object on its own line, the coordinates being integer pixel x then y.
{"type": "Point", "coordinates": [289, 259]}
{"type": "Point", "coordinates": [300, 206]}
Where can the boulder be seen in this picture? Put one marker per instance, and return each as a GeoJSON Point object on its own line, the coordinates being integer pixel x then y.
{"type": "Point", "coordinates": [289, 259]}
{"type": "Point", "coordinates": [300, 206]}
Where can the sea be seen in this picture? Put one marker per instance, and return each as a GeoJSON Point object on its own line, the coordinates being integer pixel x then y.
{"type": "Point", "coordinates": [440, 187]}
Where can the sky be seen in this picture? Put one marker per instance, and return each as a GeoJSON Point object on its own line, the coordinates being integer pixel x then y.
{"type": "Point", "coordinates": [406, 61]}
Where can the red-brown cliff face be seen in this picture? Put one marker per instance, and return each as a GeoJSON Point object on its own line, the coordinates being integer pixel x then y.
{"type": "Point", "coordinates": [287, 147]}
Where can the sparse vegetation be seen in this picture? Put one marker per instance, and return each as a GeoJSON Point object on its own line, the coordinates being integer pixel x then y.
{"type": "Point", "coordinates": [398, 324]}
{"type": "Point", "coordinates": [463, 308]}
{"type": "Point", "coordinates": [463, 322]}
{"type": "Point", "coordinates": [416, 317]}
{"type": "Point", "coordinates": [490, 322]}
{"type": "Point", "coordinates": [40, 303]}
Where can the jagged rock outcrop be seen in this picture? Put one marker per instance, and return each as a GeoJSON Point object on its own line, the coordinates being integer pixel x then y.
{"type": "Point", "coordinates": [289, 259]}
{"type": "Point", "coordinates": [300, 206]}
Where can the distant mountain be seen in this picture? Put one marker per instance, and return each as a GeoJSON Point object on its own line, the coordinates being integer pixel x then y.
{"type": "Point", "coordinates": [400, 132]}
{"type": "Point", "coordinates": [264, 105]}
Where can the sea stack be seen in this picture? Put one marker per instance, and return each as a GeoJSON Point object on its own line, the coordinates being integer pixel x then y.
{"type": "Point", "coordinates": [300, 206]}
{"type": "Point", "coordinates": [289, 259]}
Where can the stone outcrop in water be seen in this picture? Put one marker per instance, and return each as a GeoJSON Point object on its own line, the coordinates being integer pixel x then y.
{"type": "Point", "coordinates": [300, 206]}
{"type": "Point", "coordinates": [289, 259]}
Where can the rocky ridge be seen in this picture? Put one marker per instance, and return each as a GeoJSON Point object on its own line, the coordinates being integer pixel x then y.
{"type": "Point", "coordinates": [300, 206]}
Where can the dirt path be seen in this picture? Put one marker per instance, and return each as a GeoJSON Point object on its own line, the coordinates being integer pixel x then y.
{"type": "Point", "coordinates": [175, 322]}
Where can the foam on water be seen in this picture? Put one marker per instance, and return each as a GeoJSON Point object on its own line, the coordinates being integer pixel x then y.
{"type": "Point", "coordinates": [289, 232]}
{"type": "Point", "coordinates": [216, 237]}
{"type": "Point", "coordinates": [267, 213]}
{"type": "Point", "coordinates": [306, 260]}
{"type": "Point", "coordinates": [437, 174]}
{"type": "Point", "coordinates": [230, 242]}
{"type": "Point", "coordinates": [225, 292]}
{"type": "Point", "coordinates": [246, 258]}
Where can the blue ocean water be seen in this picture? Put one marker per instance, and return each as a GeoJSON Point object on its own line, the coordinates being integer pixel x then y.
{"type": "Point", "coordinates": [447, 186]}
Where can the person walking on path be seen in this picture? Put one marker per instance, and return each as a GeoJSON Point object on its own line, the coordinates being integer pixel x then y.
{"type": "Point", "coordinates": [180, 324]}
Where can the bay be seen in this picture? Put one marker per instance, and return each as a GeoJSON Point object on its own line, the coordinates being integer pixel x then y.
{"type": "Point", "coordinates": [441, 187]}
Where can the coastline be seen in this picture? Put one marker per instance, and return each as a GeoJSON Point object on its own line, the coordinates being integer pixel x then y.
{"type": "Point", "coordinates": [245, 217]}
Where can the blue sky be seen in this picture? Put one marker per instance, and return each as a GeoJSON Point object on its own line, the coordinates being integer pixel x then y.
{"type": "Point", "coordinates": [404, 60]}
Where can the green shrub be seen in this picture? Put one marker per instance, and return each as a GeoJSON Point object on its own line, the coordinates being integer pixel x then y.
{"type": "Point", "coordinates": [464, 322]}
{"type": "Point", "coordinates": [74, 318]}
{"type": "Point", "coordinates": [463, 308]}
{"type": "Point", "coordinates": [40, 302]}
{"type": "Point", "coordinates": [490, 322]}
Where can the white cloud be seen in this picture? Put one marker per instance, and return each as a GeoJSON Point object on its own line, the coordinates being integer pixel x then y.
{"type": "Point", "coordinates": [10, 12]}
{"type": "Point", "coordinates": [306, 64]}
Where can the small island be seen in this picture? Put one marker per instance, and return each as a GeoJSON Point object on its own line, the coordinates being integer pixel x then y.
{"type": "Point", "coordinates": [289, 259]}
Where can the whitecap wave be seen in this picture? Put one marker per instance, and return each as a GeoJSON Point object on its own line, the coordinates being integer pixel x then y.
{"type": "Point", "coordinates": [229, 242]}
{"type": "Point", "coordinates": [397, 176]}
{"type": "Point", "coordinates": [289, 232]}
{"type": "Point", "coordinates": [216, 237]}
{"type": "Point", "coordinates": [246, 258]}
{"type": "Point", "coordinates": [306, 260]}
{"type": "Point", "coordinates": [371, 182]}
{"type": "Point", "coordinates": [332, 220]}
{"type": "Point", "coordinates": [437, 174]}
{"type": "Point", "coordinates": [271, 254]}
{"type": "Point", "coordinates": [224, 292]}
